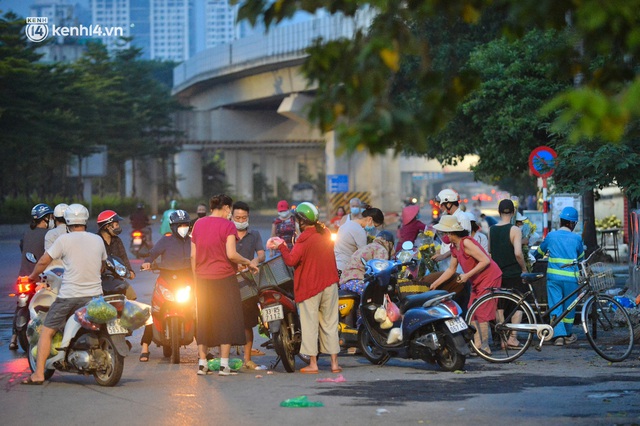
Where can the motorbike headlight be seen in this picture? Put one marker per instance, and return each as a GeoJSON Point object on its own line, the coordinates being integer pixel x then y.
{"type": "Point", "coordinates": [166, 293]}
{"type": "Point", "coordinates": [183, 295]}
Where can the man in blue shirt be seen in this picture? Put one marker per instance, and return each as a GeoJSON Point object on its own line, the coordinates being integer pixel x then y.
{"type": "Point", "coordinates": [563, 247]}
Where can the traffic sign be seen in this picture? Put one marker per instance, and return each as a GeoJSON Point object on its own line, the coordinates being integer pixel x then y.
{"type": "Point", "coordinates": [338, 183]}
{"type": "Point", "coordinates": [542, 161]}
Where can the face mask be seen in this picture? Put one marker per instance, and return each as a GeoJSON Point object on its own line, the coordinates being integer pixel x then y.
{"type": "Point", "coordinates": [51, 224]}
{"type": "Point", "coordinates": [241, 226]}
{"type": "Point", "coordinates": [284, 215]}
{"type": "Point", "coordinates": [183, 231]}
{"type": "Point", "coordinates": [356, 210]}
{"type": "Point", "coordinates": [369, 228]}
{"type": "Point", "coordinates": [202, 214]}
{"type": "Point", "coordinates": [445, 239]}
{"type": "Point", "coordinates": [116, 231]}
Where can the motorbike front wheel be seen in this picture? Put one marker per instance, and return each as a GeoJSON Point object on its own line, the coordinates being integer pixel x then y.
{"type": "Point", "coordinates": [112, 372]}
{"type": "Point", "coordinates": [32, 362]}
{"type": "Point", "coordinates": [448, 357]}
{"type": "Point", "coordinates": [23, 340]}
{"type": "Point", "coordinates": [174, 330]}
{"type": "Point", "coordinates": [374, 354]}
{"type": "Point", "coordinates": [283, 344]}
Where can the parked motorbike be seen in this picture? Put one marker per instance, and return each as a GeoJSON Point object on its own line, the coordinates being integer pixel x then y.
{"type": "Point", "coordinates": [140, 243]}
{"type": "Point", "coordinates": [86, 348]}
{"type": "Point", "coordinates": [430, 329]}
{"type": "Point", "coordinates": [348, 304]}
{"type": "Point", "coordinates": [173, 311]}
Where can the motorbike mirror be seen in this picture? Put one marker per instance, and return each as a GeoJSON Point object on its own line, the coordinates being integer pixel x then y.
{"type": "Point", "coordinates": [31, 258]}
{"type": "Point", "coordinates": [407, 246]}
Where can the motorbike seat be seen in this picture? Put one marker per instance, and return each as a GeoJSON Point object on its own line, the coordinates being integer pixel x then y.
{"type": "Point", "coordinates": [345, 294]}
{"type": "Point", "coordinates": [529, 277]}
{"type": "Point", "coordinates": [416, 300]}
{"type": "Point", "coordinates": [40, 308]}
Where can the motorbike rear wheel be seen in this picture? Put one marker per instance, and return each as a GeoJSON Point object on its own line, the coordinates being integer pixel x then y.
{"type": "Point", "coordinates": [283, 344]}
{"type": "Point", "coordinates": [23, 340]}
{"type": "Point", "coordinates": [112, 374]}
{"type": "Point", "coordinates": [174, 330]}
{"type": "Point", "coordinates": [32, 363]}
{"type": "Point", "coordinates": [374, 354]}
{"type": "Point", "coordinates": [448, 358]}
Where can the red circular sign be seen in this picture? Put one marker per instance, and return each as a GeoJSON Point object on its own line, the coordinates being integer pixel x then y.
{"type": "Point", "coordinates": [542, 161]}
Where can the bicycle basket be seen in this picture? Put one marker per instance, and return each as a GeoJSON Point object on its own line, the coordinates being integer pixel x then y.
{"type": "Point", "coordinates": [600, 276]}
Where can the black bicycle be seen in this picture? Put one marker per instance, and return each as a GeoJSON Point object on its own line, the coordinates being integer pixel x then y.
{"type": "Point", "coordinates": [605, 322]}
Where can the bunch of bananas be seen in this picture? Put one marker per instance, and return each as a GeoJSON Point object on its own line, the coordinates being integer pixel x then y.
{"type": "Point", "coordinates": [609, 222]}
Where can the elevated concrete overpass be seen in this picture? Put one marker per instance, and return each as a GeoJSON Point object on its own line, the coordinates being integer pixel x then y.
{"type": "Point", "coordinates": [246, 101]}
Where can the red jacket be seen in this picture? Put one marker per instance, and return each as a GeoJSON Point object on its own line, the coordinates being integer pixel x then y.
{"type": "Point", "coordinates": [314, 262]}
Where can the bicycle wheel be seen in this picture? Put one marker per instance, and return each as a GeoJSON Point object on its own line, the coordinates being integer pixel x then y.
{"type": "Point", "coordinates": [608, 328]}
{"type": "Point", "coordinates": [499, 332]}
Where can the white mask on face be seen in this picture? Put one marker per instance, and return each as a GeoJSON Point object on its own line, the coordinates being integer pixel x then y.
{"type": "Point", "coordinates": [285, 214]}
{"type": "Point", "coordinates": [183, 231]}
{"type": "Point", "coordinates": [51, 224]}
{"type": "Point", "coordinates": [241, 226]}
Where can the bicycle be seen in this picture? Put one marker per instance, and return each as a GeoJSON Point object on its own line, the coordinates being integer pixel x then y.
{"type": "Point", "coordinates": [605, 322]}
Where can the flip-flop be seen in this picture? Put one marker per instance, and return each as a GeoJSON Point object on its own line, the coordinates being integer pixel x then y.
{"type": "Point", "coordinates": [307, 370]}
{"type": "Point", "coordinates": [336, 370]}
{"type": "Point", "coordinates": [30, 381]}
{"type": "Point", "coordinates": [256, 352]}
{"type": "Point", "coordinates": [144, 357]}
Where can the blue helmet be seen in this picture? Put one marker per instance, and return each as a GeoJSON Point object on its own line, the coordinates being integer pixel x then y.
{"type": "Point", "coordinates": [570, 214]}
{"type": "Point", "coordinates": [40, 210]}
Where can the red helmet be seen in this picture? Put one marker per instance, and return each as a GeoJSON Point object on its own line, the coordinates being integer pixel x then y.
{"type": "Point", "coordinates": [106, 217]}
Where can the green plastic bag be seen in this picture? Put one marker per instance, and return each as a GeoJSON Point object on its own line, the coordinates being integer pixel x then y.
{"type": "Point", "coordinates": [134, 316]}
{"type": "Point", "coordinates": [100, 312]}
{"type": "Point", "coordinates": [300, 402]}
{"type": "Point", "coordinates": [234, 364]}
{"type": "Point", "coordinates": [55, 343]}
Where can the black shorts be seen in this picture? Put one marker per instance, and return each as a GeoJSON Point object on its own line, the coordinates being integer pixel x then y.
{"type": "Point", "coordinates": [62, 309]}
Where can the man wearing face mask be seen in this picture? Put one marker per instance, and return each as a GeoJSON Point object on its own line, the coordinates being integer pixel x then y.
{"type": "Point", "coordinates": [201, 211]}
{"type": "Point", "coordinates": [109, 229]}
{"type": "Point", "coordinates": [356, 207]}
{"type": "Point", "coordinates": [249, 245]}
{"type": "Point", "coordinates": [175, 253]}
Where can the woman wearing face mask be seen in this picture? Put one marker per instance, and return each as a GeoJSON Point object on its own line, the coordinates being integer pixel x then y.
{"type": "Point", "coordinates": [284, 226]}
{"type": "Point", "coordinates": [353, 235]}
{"type": "Point", "coordinates": [175, 254]}
{"type": "Point", "coordinates": [109, 229]}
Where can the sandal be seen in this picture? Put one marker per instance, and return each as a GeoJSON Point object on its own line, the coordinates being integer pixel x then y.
{"type": "Point", "coordinates": [144, 357]}
{"type": "Point", "coordinates": [256, 352]}
{"type": "Point", "coordinates": [250, 365]}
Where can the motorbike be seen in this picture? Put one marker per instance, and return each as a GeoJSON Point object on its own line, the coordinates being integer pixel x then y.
{"type": "Point", "coordinates": [173, 311]}
{"type": "Point", "coordinates": [85, 348]}
{"type": "Point", "coordinates": [430, 328]}
{"type": "Point", "coordinates": [140, 243]}
{"type": "Point", "coordinates": [25, 290]}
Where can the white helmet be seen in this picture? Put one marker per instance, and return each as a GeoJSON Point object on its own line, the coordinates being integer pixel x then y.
{"type": "Point", "coordinates": [448, 196]}
{"type": "Point", "coordinates": [76, 214]}
{"type": "Point", "coordinates": [60, 209]}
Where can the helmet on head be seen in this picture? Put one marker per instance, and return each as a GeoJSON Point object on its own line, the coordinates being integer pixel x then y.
{"type": "Point", "coordinates": [386, 235]}
{"type": "Point", "coordinates": [173, 204]}
{"type": "Point", "coordinates": [58, 212]}
{"type": "Point", "coordinates": [40, 210]}
{"type": "Point", "coordinates": [307, 212]}
{"type": "Point", "coordinates": [448, 196]}
{"type": "Point", "coordinates": [106, 217]}
{"type": "Point", "coordinates": [570, 214]}
{"type": "Point", "coordinates": [179, 217]}
{"type": "Point", "coordinates": [76, 214]}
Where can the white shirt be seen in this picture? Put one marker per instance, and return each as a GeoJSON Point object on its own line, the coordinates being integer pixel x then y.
{"type": "Point", "coordinates": [351, 236]}
{"type": "Point", "coordinates": [49, 238]}
{"type": "Point", "coordinates": [82, 254]}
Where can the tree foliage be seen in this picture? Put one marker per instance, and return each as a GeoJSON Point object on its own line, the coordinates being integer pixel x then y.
{"type": "Point", "coordinates": [51, 113]}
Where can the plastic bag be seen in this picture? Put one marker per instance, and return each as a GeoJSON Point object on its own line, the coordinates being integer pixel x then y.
{"type": "Point", "coordinates": [134, 316]}
{"type": "Point", "coordinates": [100, 312]}
{"type": "Point", "coordinates": [81, 317]}
{"type": "Point", "coordinates": [380, 315]}
{"type": "Point", "coordinates": [300, 402]}
{"type": "Point", "coordinates": [214, 364]}
{"type": "Point", "coordinates": [395, 336]}
{"type": "Point", "coordinates": [55, 343]}
{"type": "Point", "coordinates": [34, 328]}
{"type": "Point", "coordinates": [393, 312]}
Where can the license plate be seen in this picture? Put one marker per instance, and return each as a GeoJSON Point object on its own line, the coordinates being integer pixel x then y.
{"type": "Point", "coordinates": [114, 327]}
{"type": "Point", "coordinates": [455, 325]}
{"type": "Point", "coordinates": [272, 313]}
{"type": "Point", "coordinates": [137, 241]}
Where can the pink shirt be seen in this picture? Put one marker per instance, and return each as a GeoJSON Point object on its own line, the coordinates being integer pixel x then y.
{"type": "Point", "coordinates": [210, 237]}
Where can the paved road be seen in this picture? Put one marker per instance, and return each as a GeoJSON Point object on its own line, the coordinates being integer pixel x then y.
{"type": "Point", "coordinates": [559, 385]}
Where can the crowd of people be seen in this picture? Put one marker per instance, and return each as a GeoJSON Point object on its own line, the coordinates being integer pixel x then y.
{"type": "Point", "coordinates": [219, 243]}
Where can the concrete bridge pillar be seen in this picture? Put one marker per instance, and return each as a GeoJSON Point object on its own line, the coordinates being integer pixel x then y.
{"type": "Point", "coordinates": [188, 170]}
{"type": "Point", "coordinates": [239, 171]}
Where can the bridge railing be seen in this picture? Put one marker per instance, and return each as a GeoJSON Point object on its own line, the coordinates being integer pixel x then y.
{"type": "Point", "coordinates": [281, 43]}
